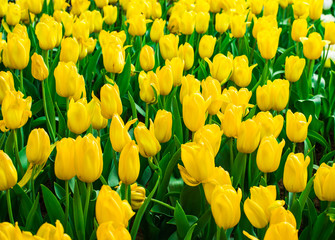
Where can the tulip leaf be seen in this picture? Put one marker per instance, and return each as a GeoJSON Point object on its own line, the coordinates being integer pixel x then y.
{"type": "Point", "coordinates": [78, 213]}
{"type": "Point", "coordinates": [327, 157]}
{"type": "Point", "coordinates": [239, 167]}
{"type": "Point", "coordinates": [62, 127]}
{"type": "Point", "coordinates": [318, 138]}
{"type": "Point", "coordinates": [177, 124]}
{"type": "Point", "coordinates": [34, 224]}
{"type": "Point", "coordinates": [190, 232]}
{"type": "Point", "coordinates": [37, 107]}
{"type": "Point", "coordinates": [181, 221]}
{"type": "Point", "coordinates": [203, 221]}
{"type": "Point", "coordinates": [190, 200]}
{"type": "Point", "coordinates": [296, 209]}
{"type": "Point", "coordinates": [123, 78]}
{"type": "Point", "coordinates": [25, 202]}
{"type": "Point", "coordinates": [322, 228]}
{"type": "Point", "coordinates": [281, 59]}
{"type": "Point", "coordinates": [304, 195]}
{"type": "Point", "coordinates": [52, 205]}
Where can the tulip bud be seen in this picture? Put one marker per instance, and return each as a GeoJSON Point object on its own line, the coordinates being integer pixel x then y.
{"type": "Point", "coordinates": [299, 29]}
{"type": "Point", "coordinates": [248, 136]}
{"type": "Point", "coordinates": [80, 90]}
{"type": "Point", "coordinates": [269, 125]}
{"type": "Point", "coordinates": [66, 79]}
{"type": "Point", "coordinates": [280, 94]}
{"type": "Point", "coordinates": [270, 8]}
{"type": "Point", "coordinates": [157, 30]}
{"type": "Point", "coordinates": [15, 110]}
{"type": "Point", "coordinates": [81, 29]}
{"type": "Point", "coordinates": [279, 215]}
{"type": "Point", "coordinates": [110, 14]}
{"type": "Point", "coordinates": [295, 172]}
{"type": "Point", "coordinates": [38, 68]}
{"type": "Point", "coordinates": [38, 146]}
{"type": "Point", "coordinates": [48, 231]}
{"type": "Point", "coordinates": [211, 134]}
{"type": "Point", "coordinates": [206, 46]}
{"type": "Point", "coordinates": [137, 196]}
{"type": "Point", "coordinates": [238, 98]}
{"type": "Point", "coordinates": [258, 207]}
{"type": "Point", "coordinates": [231, 120]}
{"type": "Point", "coordinates": [297, 126]}
{"type": "Point", "coordinates": [201, 22]}
{"type": "Point", "coordinates": [268, 41]}
{"type": "Point", "coordinates": [242, 73]}
{"type": "Point", "coordinates": [269, 154]}
{"type": "Point", "coordinates": [48, 32]}
{"type": "Point", "coordinates": [3, 7]}
{"type": "Point", "coordinates": [137, 25]}
{"type": "Point", "coordinates": [211, 88]}
{"type": "Point", "coordinates": [264, 23]}
{"type": "Point", "coordinates": [79, 6]}
{"type": "Point", "coordinates": [275, 231]}
{"type": "Point", "coordinates": [263, 96]}
{"type": "Point", "coordinates": [113, 58]}
{"type": "Point", "coordinates": [330, 32]}
{"type": "Point", "coordinates": [163, 126]}
{"type": "Point", "coordinates": [35, 6]}
{"type": "Point", "coordinates": [256, 6]}
{"type": "Point", "coordinates": [177, 67]}
{"type": "Point", "coordinates": [13, 14]}
{"type": "Point", "coordinates": [165, 79]}
{"type": "Point", "coordinates": [69, 50]}
{"type": "Point", "coordinates": [186, 53]}
{"type": "Point", "coordinates": [156, 10]}
{"type": "Point", "coordinates": [118, 132]}
{"type": "Point", "coordinates": [221, 68]}
{"type": "Point", "coordinates": [238, 26]}
{"type": "Point", "coordinates": [322, 187]}
{"type": "Point", "coordinates": [146, 140]}
{"type": "Point", "coordinates": [147, 58]}
{"type": "Point", "coordinates": [98, 121]}
{"type": "Point", "coordinates": [112, 230]}
{"type": "Point", "coordinates": [109, 207]}
{"type": "Point", "coordinates": [194, 111]}
{"type": "Point", "coordinates": [189, 85]}
{"type": "Point", "coordinates": [315, 9]}
{"type": "Point", "coordinates": [8, 172]}
{"type": "Point", "coordinates": [64, 161]}
{"type": "Point", "coordinates": [147, 83]}
{"type": "Point", "coordinates": [88, 158]}
{"type": "Point", "coordinates": [129, 163]}
{"type": "Point", "coordinates": [168, 46]}
{"type": "Point", "coordinates": [101, 3]}
{"type": "Point", "coordinates": [187, 23]}
{"type": "Point", "coordinates": [226, 199]}
{"type": "Point", "coordinates": [313, 46]}
{"type": "Point", "coordinates": [110, 100]}
{"type": "Point", "coordinates": [222, 21]}
{"type": "Point", "coordinates": [294, 66]}
{"type": "Point", "coordinates": [79, 115]}
{"type": "Point", "coordinates": [6, 84]}
{"type": "Point", "coordinates": [97, 21]}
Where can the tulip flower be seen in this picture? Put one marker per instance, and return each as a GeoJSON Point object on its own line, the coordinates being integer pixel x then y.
{"type": "Point", "coordinates": [248, 136]}
{"type": "Point", "coordinates": [163, 126]}
{"type": "Point", "coordinates": [38, 68]}
{"type": "Point", "coordinates": [81, 29]}
{"type": "Point", "coordinates": [211, 134]}
{"type": "Point", "coordinates": [112, 230]}
{"type": "Point", "coordinates": [269, 125]}
{"type": "Point", "coordinates": [48, 32]}
{"type": "Point", "coordinates": [299, 29]}
{"type": "Point", "coordinates": [157, 30]}
{"type": "Point", "coordinates": [147, 58]}
{"type": "Point", "coordinates": [177, 67]}
{"type": "Point", "coordinates": [258, 207]}
{"type": "Point", "coordinates": [324, 176]}
{"type": "Point", "coordinates": [264, 23]}
{"type": "Point", "coordinates": [202, 22]}
{"type": "Point", "coordinates": [110, 207]}
{"type": "Point", "coordinates": [186, 53]}
{"type": "Point", "coordinates": [137, 25]}
{"type": "Point", "coordinates": [15, 110]}
{"type": "Point", "coordinates": [256, 6]}
{"type": "Point", "coordinates": [300, 8]}
{"type": "Point", "coordinates": [165, 79]}
{"type": "Point", "coordinates": [194, 111]}
{"type": "Point", "coordinates": [242, 73]}
{"type": "Point", "coordinates": [6, 84]}
{"type": "Point", "coordinates": [13, 14]}
{"type": "Point", "coordinates": [270, 8]}
{"type": "Point", "coordinates": [269, 154]}
{"type": "Point", "coordinates": [79, 6]}
{"type": "Point", "coordinates": [295, 172]}
{"type": "Point", "coordinates": [206, 46]}
{"type": "Point", "coordinates": [7, 171]}
{"type": "Point", "coordinates": [65, 157]}
{"type": "Point", "coordinates": [69, 50]}
{"type": "Point", "coordinates": [238, 26]}
{"type": "Point", "coordinates": [222, 21]}
{"type": "Point", "coordinates": [88, 158]}
{"type": "Point", "coordinates": [79, 115]}
{"type": "Point", "coordinates": [80, 91]}
{"type": "Point", "coordinates": [294, 66]}
{"type": "Point", "coordinates": [101, 3]}
{"type": "Point", "coordinates": [187, 23]}
{"type": "Point", "coordinates": [198, 160]}
{"type": "Point", "coordinates": [66, 79]}
{"type": "Point", "coordinates": [148, 81]}
{"type": "Point", "coordinates": [110, 100]}
{"type": "Point", "coordinates": [276, 231]}
{"type": "Point", "coordinates": [313, 45]}
{"type": "Point", "coordinates": [231, 120]}
{"type": "Point", "coordinates": [330, 32]}
{"type": "Point", "coordinates": [113, 58]}
{"type": "Point", "coordinates": [97, 21]}
{"type": "Point", "coordinates": [226, 199]}
{"type": "Point", "coordinates": [315, 9]}
{"type": "Point", "coordinates": [264, 97]}
{"type": "Point", "coordinates": [137, 196]}
{"type": "Point", "coordinates": [238, 98]}
{"type": "Point", "coordinates": [38, 146]}
{"type": "Point", "coordinates": [221, 68]}
{"type": "Point", "coordinates": [48, 231]}
{"type": "Point", "coordinates": [3, 8]}
{"type": "Point", "coordinates": [129, 163]}
{"type": "Point", "coordinates": [280, 94]}
{"type": "Point", "coordinates": [280, 214]}
{"type": "Point", "coordinates": [118, 132]}
{"type": "Point", "coordinates": [211, 89]}
{"type": "Point", "coordinates": [297, 126]}
{"type": "Point", "coordinates": [146, 140]}
{"type": "Point", "coordinates": [268, 41]}
{"type": "Point", "coordinates": [168, 46]}
{"type": "Point", "coordinates": [35, 6]}
{"type": "Point", "coordinates": [189, 85]}
{"type": "Point", "coordinates": [110, 14]}
{"type": "Point", "coordinates": [156, 10]}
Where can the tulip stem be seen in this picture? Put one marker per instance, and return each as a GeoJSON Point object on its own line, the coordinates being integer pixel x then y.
{"type": "Point", "coordinates": [9, 205]}
{"type": "Point", "coordinates": [220, 236]}
{"type": "Point", "coordinates": [46, 112]}
{"type": "Point", "coordinates": [66, 204]}
{"type": "Point", "coordinates": [163, 204]}
{"type": "Point", "coordinates": [310, 75]}
{"type": "Point", "coordinates": [231, 153]}
{"type": "Point", "coordinates": [87, 201]}
{"type": "Point", "coordinates": [17, 156]}
{"type": "Point", "coordinates": [147, 115]}
{"type": "Point", "coordinates": [293, 148]}
{"type": "Point", "coordinates": [265, 72]}
{"type": "Point", "coordinates": [266, 178]}
{"type": "Point", "coordinates": [32, 183]}
{"type": "Point", "coordinates": [323, 62]}
{"type": "Point", "coordinates": [127, 195]}
{"type": "Point", "coordinates": [210, 119]}
{"type": "Point", "coordinates": [21, 82]}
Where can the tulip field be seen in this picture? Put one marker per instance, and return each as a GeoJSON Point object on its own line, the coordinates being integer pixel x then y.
{"type": "Point", "coordinates": [167, 119]}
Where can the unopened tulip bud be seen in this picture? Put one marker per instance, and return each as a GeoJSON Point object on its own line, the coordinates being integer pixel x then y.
{"type": "Point", "coordinates": [163, 126]}
{"type": "Point", "coordinates": [129, 163]}
{"type": "Point", "coordinates": [137, 196]}
{"type": "Point", "coordinates": [38, 68]}
{"type": "Point", "coordinates": [38, 146]}
{"type": "Point", "coordinates": [297, 126]}
{"type": "Point", "coordinates": [206, 46]}
{"type": "Point", "coordinates": [147, 58]}
{"type": "Point", "coordinates": [64, 161]}
{"type": "Point", "coordinates": [7, 172]}
{"type": "Point", "coordinates": [146, 140]}
{"type": "Point", "coordinates": [294, 66]}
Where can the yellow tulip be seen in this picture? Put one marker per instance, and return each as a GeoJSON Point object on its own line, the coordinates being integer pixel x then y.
{"type": "Point", "coordinates": [101, 3]}
{"type": "Point", "coordinates": [295, 172]}
{"type": "Point", "coordinates": [48, 32]}
{"type": "Point", "coordinates": [137, 196]}
{"type": "Point", "coordinates": [163, 126]}
{"type": "Point", "coordinates": [79, 115]}
{"type": "Point", "coordinates": [79, 6]}
{"type": "Point", "coordinates": [157, 30]}
{"type": "Point", "coordinates": [264, 23]}
{"type": "Point", "coordinates": [7, 172]}
{"type": "Point", "coordinates": [238, 26]}
{"type": "Point", "coordinates": [211, 89]}
{"type": "Point", "coordinates": [269, 154]}
{"type": "Point", "coordinates": [129, 163]}
{"type": "Point", "coordinates": [187, 23]}
{"type": "Point", "coordinates": [148, 81]}
{"type": "Point", "coordinates": [98, 121]}
{"type": "Point", "coordinates": [97, 21]}
{"type": "Point", "coordinates": [177, 67]}
{"type": "Point", "coordinates": [189, 85]}
{"type": "Point", "coordinates": [6, 84]}
{"type": "Point", "coordinates": [294, 66]}
{"type": "Point", "coordinates": [269, 125]}
{"type": "Point", "coordinates": [3, 8]}
{"type": "Point", "coordinates": [211, 134]}
{"type": "Point", "coordinates": [221, 67]}
{"type": "Point", "coordinates": [88, 158]}
{"type": "Point", "coordinates": [238, 98]}
{"type": "Point", "coordinates": [206, 46]}
{"type": "Point", "coordinates": [113, 58]}
{"type": "Point", "coordinates": [264, 97]}
{"type": "Point", "coordinates": [222, 21]}
{"type": "Point", "coordinates": [13, 15]}
{"type": "Point", "coordinates": [268, 41]}
{"type": "Point", "coordinates": [165, 79]}
{"type": "Point", "coordinates": [146, 140]}
{"type": "Point", "coordinates": [280, 94]}
{"type": "Point", "coordinates": [324, 176]}
{"type": "Point", "coordinates": [38, 146]}
{"type": "Point", "coordinates": [15, 110]}
{"type": "Point", "coordinates": [51, 232]}
{"type": "Point", "coordinates": [242, 73]}
{"type": "Point", "coordinates": [147, 58]}
{"type": "Point", "coordinates": [66, 79]}
{"type": "Point", "coordinates": [300, 8]}
{"type": "Point", "coordinates": [248, 136]}
{"type": "Point", "coordinates": [313, 45]}
{"type": "Point", "coordinates": [270, 8]}
{"type": "Point", "coordinates": [201, 22]}
{"type": "Point", "coordinates": [231, 120]}
{"type": "Point", "coordinates": [69, 50]}
{"type": "Point", "coordinates": [186, 53]}
{"type": "Point", "coordinates": [64, 161]}
{"type": "Point", "coordinates": [60, 4]}
{"type": "Point", "coordinates": [38, 68]}
{"type": "Point", "coordinates": [280, 214]}
{"type": "Point", "coordinates": [80, 91]}
{"type": "Point", "coordinates": [315, 9]}
{"type": "Point", "coordinates": [110, 100]}
{"type": "Point", "coordinates": [194, 111]}
{"type": "Point", "coordinates": [297, 126]}
{"type": "Point", "coordinates": [256, 6]}
{"type": "Point", "coordinates": [112, 230]}
{"type": "Point", "coordinates": [226, 199]}
{"type": "Point", "coordinates": [137, 25]}
{"type": "Point", "coordinates": [299, 29]}
{"type": "Point", "coordinates": [168, 46]}
{"type": "Point", "coordinates": [35, 6]}
{"type": "Point", "coordinates": [330, 32]}
{"type": "Point", "coordinates": [109, 207]}
{"type": "Point", "coordinates": [110, 14]}
{"type": "Point", "coordinates": [258, 207]}
{"type": "Point", "coordinates": [276, 231]}
{"type": "Point", "coordinates": [81, 29]}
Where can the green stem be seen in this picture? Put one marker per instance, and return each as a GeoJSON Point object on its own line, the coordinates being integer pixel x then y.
{"type": "Point", "coordinates": [220, 233]}
{"type": "Point", "coordinates": [293, 148]}
{"type": "Point", "coordinates": [87, 201]}
{"type": "Point", "coordinates": [310, 75]}
{"type": "Point", "coordinates": [103, 180]}
{"type": "Point", "coordinates": [231, 153]}
{"type": "Point", "coordinates": [266, 178]}
{"type": "Point", "coordinates": [9, 205]}
{"type": "Point", "coordinates": [163, 204]}
{"type": "Point", "coordinates": [52, 135]}
{"type": "Point", "coordinates": [32, 185]}
{"type": "Point", "coordinates": [66, 204]}
{"type": "Point", "coordinates": [321, 71]}
{"type": "Point", "coordinates": [210, 119]}
{"type": "Point", "coordinates": [265, 72]}
{"type": "Point", "coordinates": [127, 195]}
{"type": "Point", "coordinates": [21, 82]}
{"type": "Point", "coordinates": [17, 156]}
{"type": "Point", "coordinates": [147, 115]}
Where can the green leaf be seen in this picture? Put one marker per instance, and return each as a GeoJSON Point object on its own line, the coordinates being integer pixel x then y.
{"type": "Point", "coordinates": [62, 126]}
{"type": "Point", "coordinates": [296, 209]}
{"type": "Point", "coordinates": [190, 232]}
{"type": "Point", "coordinates": [123, 78]}
{"type": "Point", "coordinates": [322, 228]}
{"type": "Point", "coordinates": [190, 200]}
{"type": "Point", "coordinates": [327, 157]}
{"type": "Point", "coordinates": [304, 195]}
{"type": "Point", "coordinates": [181, 221]}
{"type": "Point", "coordinates": [281, 59]}
{"type": "Point", "coordinates": [238, 170]}
{"type": "Point", "coordinates": [78, 214]}
{"type": "Point", "coordinates": [32, 224]}
{"type": "Point", "coordinates": [312, 135]}
{"type": "Point", "coordinates": [54, 209]}
{"type": "Point", "coordinates": [177, 124]}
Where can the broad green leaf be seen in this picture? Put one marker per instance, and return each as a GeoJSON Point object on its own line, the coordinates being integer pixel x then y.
{"type": "Point", "coordinates": [78, 213]}
{"type": "Point", "coordinates": [123, 78]}
{"type": "Point", "coordinates": [54, 209]}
